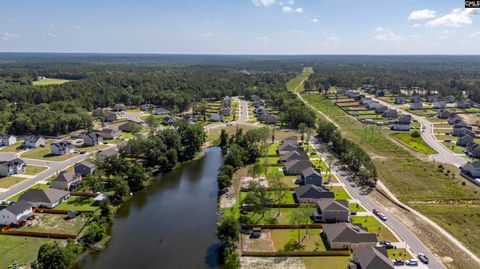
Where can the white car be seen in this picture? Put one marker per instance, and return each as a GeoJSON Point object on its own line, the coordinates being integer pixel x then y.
{"type": "Point", "coordinates": [382, 216]}
{"type": "Point", "coordinates": [412, 262]}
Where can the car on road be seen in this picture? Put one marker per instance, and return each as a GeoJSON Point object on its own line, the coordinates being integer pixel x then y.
{"type": "Point", "coordinates": [375, 211]}
{"type": "Point", "coordinates": [353, 213]}
{"type": "Point", "coordinates": [398, 262]}
{"type": "Point", "coordinates": [382, 216]}
{"type": "Point", "coordinates": [412, 262]}
{"type": "Point", "coordinates": [423, 258]}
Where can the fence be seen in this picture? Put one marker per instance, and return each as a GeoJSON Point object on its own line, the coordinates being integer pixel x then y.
{"type": "Point", "coordinates": [282, 226]}
{"type": "Point", "coordinates": [84, 194]}
{"type": "Point", "coordinates": [6, 230]}
{"type": "Point", "coordinates": [296, 253]}
{"type": "Point", "coordinates": [58, 211]}
{"type": "Point", "coordinates": [246, 189]}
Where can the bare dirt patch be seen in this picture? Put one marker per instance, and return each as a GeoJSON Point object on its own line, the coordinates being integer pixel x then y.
{"type": "Point", "coordinates": [245, 181]}
{"type": "Point", "coordinates": [272, 263]}
{"type": "Point", "coordinates": [263, 243]}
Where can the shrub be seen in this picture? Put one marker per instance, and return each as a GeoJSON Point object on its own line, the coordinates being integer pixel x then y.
{"type": "Point", "coordinates": [292, 245]}
{"type": "Point", "coordinates": [415, 134]}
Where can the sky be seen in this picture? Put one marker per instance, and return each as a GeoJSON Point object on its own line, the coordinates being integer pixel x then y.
{"type": "Point", "coordinates": [240, 26]}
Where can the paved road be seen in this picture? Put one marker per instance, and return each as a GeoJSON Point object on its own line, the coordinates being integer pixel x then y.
{"type": "Point", "coordinates": [411, 240]}
{"type": "Point", "coordinates": [243, 117]}
{"type": "Point", "coordinates": [444, 154]}
{"type": "Point", "coordinates": [134, 116]}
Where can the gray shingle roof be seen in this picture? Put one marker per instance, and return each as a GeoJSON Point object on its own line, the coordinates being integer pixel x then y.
{"type": "Point", "coordinates": [347, 232]}
{"type": "Point", "coordinates": [312, 192]}
{"type": "Point", "coordinates": [298, 164]}
{"type": "Point", "coordinates": [332, 204]}
{"type": "Point", "coordinates": [19, 207]}
{"type": "Point", "coordinates": [42, 195]}
{"type": "Point", "coordinates": [372, 258]}
{"type": "Point", "coordinates": [66, 177]}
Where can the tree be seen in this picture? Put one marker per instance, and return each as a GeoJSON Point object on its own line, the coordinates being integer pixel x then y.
{"type": "Point", "coordinates": [303, 129]}
{"type": "Point", "coordinates": [278, 187]}
{"type": "Point", "coordinates": [305, 213]}
{"type": "Point", "coordinates": [235, 106]}
{"type": "Point", "coordinates": [94, 233]}
{"type": "Point", "coordinates": [228, 230]}
{"type": "Point", "coordinates": [121, 190]}
{"type": "Point", "coordinates": [94, 182]}
{"type": "Point", "coordinates": [136, 175]}
{"type": "Point", "coordinates": [296, 219]}
{"type": "Point", "coordinates": [256, 169]}
{"type": "Point", "coordinates": [202, 108]}
{"type": "Point", "coordinates": [223, 139]}
{"type": "Point", "coordinates": [53, 256]}
{"type": "Point", "coordinates": [257, 198]}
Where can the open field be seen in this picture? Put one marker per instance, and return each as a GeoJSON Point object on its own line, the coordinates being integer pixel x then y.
{"type": "Point", "coordinates": [44, 154]}
{"type": "Point", "coordinates": [21, 249]}
{"type": "Point", "coordinates": [330, 262]}
{"type": "Point", "coordinates": [7, 182]}
{"type": "Point", "coordinates": [33, 170]}
{"type": "Point", "coordinates": [416, 143]}
{"type": "Point", "coordinates": [293, 83]}
{"type": "Point", "coordinates": [49, 81]}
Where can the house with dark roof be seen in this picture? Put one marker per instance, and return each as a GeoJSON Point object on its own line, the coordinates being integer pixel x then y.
{"type": "Point", "coordinates": [107, 153]}
{"type": "Point", "coordinates": [288, 147]}
{"type": "Point", "coordinates": [67, 181]}
{"type": "Point", "coordinates": [92, 139]}
{"type": "Point", "coordinates": [130, 126]}
{"type": "Point", "coordinates": [310, 176]}
{"type": "Point", "coordinates": [271, 119]}
{"type": "Point", "coordinates": [400, 127]}
{"type": "Point", "coordinates": [439, 104]}
{"type": "Point", "coordinates": [7, 140]}
{"type": "Point", "coordinates": [216, 117]}
{"type": "Point", "coordinates": [290, 140]}
{"type": "Point", "coordinates": [33, 141]}
{"type": "Point", "coordinates": [296, 167]}
{"type": "Point", "coordinates": [16, 213]}
{"type": "Point", "coordinates": [108, 133]}
{"type": "Point", "coordinates": [346, 236]}
{"type": "Point", "coordinates": [373, 105]}
{"type": "Point", "coordinates": [462, 131]}
{"type": "Point", "coordinates": [443, 114]}
{"type": "Point", "coordinates": [366, 100]}
{"type": "Point", "coordinates": [381, 109]}
{"type": "Point", "coordinates": [416, 99]}
{"type": "Point", "coordinates": [465, 140]}
{"type": "Point", "coordinates": [450, 99]}
{"type": "Point", "coordinates": [147, 107]}
{"type": "Point", "coordinates": [12, 167]}
{"type": "Point", "coordinates": [368, 257]}
{"type": "Point", "coordinates": [380, 93]}
{"type": "Point", "coordinates": [398, 101]}
{"type": "Point", "coordinates": [262, 116]}
{"type": "Point", "coordinates": [465, 104]}
{"type": "Point", "coordinates": [293, 155]}
{"type": "Point", "coordinates": [312, 193]}
{"type": "Point", "coordinates": [85, 168]}
{"type": "Point", "coordinates": [62, 147]}
{"type": "Point", "coordinates": [416, 106]}
{"type": "Point", "coordinates": [473, 150]}
{"type": "Point", "coordinates": [119, 107]}
{"type": "Point", "coordinates": [404, 119]}
{"type": "Point", "coordinates": [331, 210]}
{"type": "Point", "coordinates": [472, 168]}
{"type": "Point", "coordinates": [390, 114]}
{"type": "Point", "coordinates": [109, 116]}
{"type": "Point", "coordinates": [462, 124]}
{"type": "Point", "coordinates": [454, 119]}
{"type": "Point", "coordinates": [48, 198]}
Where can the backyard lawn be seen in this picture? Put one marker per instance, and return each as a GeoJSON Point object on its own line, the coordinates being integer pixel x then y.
{"type": "Point", "coordinates": [374, 226]}
{"type": "Point", "coordinates": [33, 170]}
{"type": "Point", "coordinates": [416, 143]}
{"type": "Point", "coordinates": [7, 182]}
{"type": "Point", "coordinates": [44, 154]}
{"type": "Point", "coordinates": [326, 262]}
{"type": "Point", "coordinates": [56, 223]}
{"type": "Point", "coordinates": [313, 242]}
{"type": "Point", "coordinates": [75, 203]}
{"type": "Point", "coordinates": [17, 147]}
{"type": "Point", "coordinates": [288, 200]}
{"type": "Point", "coordinates": [21, 249]}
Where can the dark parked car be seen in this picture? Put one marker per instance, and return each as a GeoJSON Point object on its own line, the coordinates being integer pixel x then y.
{"type": "Point", "coordinates": [386, 244]}
{"type": "Point", "coordinates": [353, 213]}
{"type": "Point", "coordinates": [398, 262]}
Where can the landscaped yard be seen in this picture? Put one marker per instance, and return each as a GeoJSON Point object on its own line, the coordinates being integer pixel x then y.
{"type": "Point", "coordinates": [416, 143]}
{"type": "Point", "coordinates": [7, 182]}
{"type": "Point", "coordinates": [49, 81]}
{"type": "Point", "coordinates": [313, 242]}
{"type": "Point", "coordinates": [21, 249]}
{"type": "Point", "coordinates": [56, 223]}
{"type": "Point", "coordinates": [44, 154]}
{"type": "Point", "coordinates": [374, 226]}
{"type": "Point", "coordinates": [288, 198]}
{"type": "Point", "coordinates": [12, 148]}
{"type": "Point", "coordinates": [33, 170]}
{"type": "Point", "coordinates": [398, 253]}
{"type": "Point", "coordinates": [355, 207]}
{"type": "Point", "coordinates": [75, 203]}
{"type": "Point", "coordinates": [340, 193]}
{"type": "Point", "coordinates": [453, 147]}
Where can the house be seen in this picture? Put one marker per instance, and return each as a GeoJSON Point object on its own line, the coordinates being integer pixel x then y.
{"type": "Point", "coordinates": [472, 168]}
{"type": "Point", "coordinates": [465, 140]}
{"type": "Point", "coordinates": [216, 117]}
{"type": "Point", "coordinates": [12, 167]}
{"type": "Point", "coordinates": [416, 106]}
{"type": "Point", "coordinates": [400, 127]}
{"type": "Point", "coordinates": [443, 114]}
{"type": "Point", "coordinates": [260, 110]}
{"type": "Point", "coordinates": [368, 257]}
{"type": "Point", "coordinates": [398, 101]}
{"type": "Point", "coordinates": [160, 111]}
{"type": "Point", "coordinates": [262, 117]}
{"type": "Point", "coordinates": [109, 116]}
{"type": "Point", "coordinates": [259, 103]}
{"type": "Point", "coordinates": [439, 104]}
{"type": "Point", "coordinates": [366, 100]}
{"type": "Point", "coordinates": [285, 148]}
{"type": "Point", "coordinates": [454, 119]}
{"type": "Point", "coordinates": [381, 109]}
{"type": "Point", "coordinates": [119, 107]}
{"type": "Point", "coordinates": [84, 169]}
{"type": "Point", "coordinates": [130, 127]}
{"type": "Point", "coordinates": [462, 124]}
{"type": "Point", "coordinates": [16, 213]}
{"type": "Point", "coordinates": [296, 167]}
{"type": "Point", "coordinates": [473, 150]}
{"type": "Point", "coordinates": [390, 114]}
{"type": "Point", "coordinates": [310, 176]}
{"type": "Point", "coordinates": [311, 194]}
{"type": "Point", "coordinates": [462, 131]}
{"type": "Point", "coordinates": [107, 152]}
{"type": "Point", "coordinates": [380, 93]}
{"type": "Point", "coordinates": [450, 99]}
{"type": "Point", "coordinates": [331, 210]}
{"type": "Point", "coordinates": [346, 236]}
{"type": "Point", "coordinates": [373, 105]}
{"type": "Point", "coordinates": [465, 104]}
{"type": "Point", "coordinates": [33, 141]}
{"type": "Point", "coordinates": [271, 119]}
{"type": "Point", "coordinates": [61, 148]}
{"type": "Point", "coordinates": [293, 155]}
{"type": "Point", "coordinates": [48, 198]}
{"type": "Point", "coordinates": [404, 119]}
{"type": "Point", "coordinates": [432, 98]}
{"type": "Point", "coordinates": [290, 139]}
{"type": "Point", "coordinates": [67, 181]}
{"type": "Point", "coordinates": [7, 140]}
{"type": "Point", "coordinates": [225, 111]}
{"type": "Point", "coordinates": [108, 133]}
{"type": "Point", "coordinates": [416, 99]}
{"type": "Point", "coordinates": [92, 139]}
{"type": "Point", "coordinates": [147, 107]}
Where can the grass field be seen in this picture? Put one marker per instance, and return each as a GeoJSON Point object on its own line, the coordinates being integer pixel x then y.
{"type": "Point", "coordinates": [49, 81]}
{"type": "Point", "coordinates": [7, 182]}
{"type": "Point", "coordinates": [33, 170]}
{"type": "Point", "coordinates": [374, 226]}
{"type": "Point", "coordinates": [453, 147]}
{"type": "Point", "coordinates": [21, 249]}
{"type": "Point", "coordinates": [293, 83]}
{"type": "Point", "coordinates": [313, 242]}
{"type": "Point", "coordinates": [44, 154]}
{"type": "Point", "coordinates": [340, 193]}
{"type": "Point", "coordinates": [326, 262]}
{"type": "Point", "coordinates": [12, 148]}
{"type": "Point", "coordinates": [416, 143]}
{"type": "Point", "coordinates": [75, 203]}
{"type": "Point", "coordinates": [56, 223]}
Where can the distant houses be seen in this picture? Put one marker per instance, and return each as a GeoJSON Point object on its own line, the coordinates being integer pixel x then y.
{"type": "Point", "coordinates": [108, 133]}
{"type": "Point", "coordinates": [216, 117]}
{"type": "Point", "coordinates": [33, 141]}
{"type": "Point", "coordinates": [7, 140]}
{"type": "Point", "coordinates": [160, 111]}
{"type": "Point", "coordinates": [61, 148]}
{"type": "Point", "coordinates": [416, 106]}
{"type": "Point", "coordinates": [12, 167]}
{"type": "Point", "coordinates": [443, 114]}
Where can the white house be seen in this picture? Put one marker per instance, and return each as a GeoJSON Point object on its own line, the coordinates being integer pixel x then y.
{"type": "Point", "coordinates": [33, 141]}
{"type": "Point", "coordinates": [472, 168]}
{"type": "Point", "coordinates": [400, 127]}
{"type": "Point", "coordinates": [7, 140]}
{"type": "Point", "coordinates": [15, 213]}
{"type": "Point", "coordinates": [12, 167]}
{"type": "Point", "coordinates": [62, 148]}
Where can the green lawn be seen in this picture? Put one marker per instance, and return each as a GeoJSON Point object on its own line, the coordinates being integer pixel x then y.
{"type": "Point", "coordinates": [398, 253]}
{"type": "Point", "coordinates": [49, 81]}
{"type": "Point", "coordinates": [294, 84]}
{"type": "Point", "coordinates": [7, 182]}
{"type": "Point", "coordinates": [340, 193]}
{"type": "Point", "coordinates": [93, 148]}
{"type": "Point", "coordinates": [77, 203]}
{"type": "Point", "coordinates": [272, 149]}
{"type": "Point", "coordinates": [36, 186]}
{"type": "Point", "coordinates": [416, 143]}
{"type": "Point", "coordinates": [33, 170]}
{"type": "Point", "coordinates": [313, 242]}
{"type": "Point", "coordinates": [269, 160]}
{"type": "Point", "coordinates": [17, 147]}
{"type": "Point", "coordinates": [271, 216]}
{"type": "Point", "coordinates": [326, 262]}
{"type": "Point", "coordinates": [453, 147]}
{"type": "Point", "coordinates": [355, 207]}
{"type": "Point", "coordinates": [21, 249]}
{"type": "Point", "coordinates": [320, 164]}
{"type": "Point", "coordinates": [288, 200]}
{"type": "Point", "coordinates": [374, 226]}
{"type": "Point", "coordinates": [44, 154]}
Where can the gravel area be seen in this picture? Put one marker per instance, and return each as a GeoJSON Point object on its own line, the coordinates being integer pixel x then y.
{"type": "Point", "coordinates": [272, 263]}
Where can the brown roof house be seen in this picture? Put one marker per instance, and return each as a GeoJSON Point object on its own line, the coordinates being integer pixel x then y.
{"type": "Point", "coordinates": [48, 198]}
{"type": "Point", "coordinates": [346, 236]}
{"type": "Point", "coordinates": [311, 194]}
{"type": "Point", "coordinates": [370, 258]}
{"type": "Point", "coordinates": [67, 181]}
{"type": "Point", "coordinates": [331, 210]}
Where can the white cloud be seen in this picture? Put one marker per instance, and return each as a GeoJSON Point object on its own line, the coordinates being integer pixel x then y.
{"type": "Point", "coordinates": [263, 40]}
{"type": "Point", "coordinates": [386, 36]}
{"type": "Point", "coordinates": [207, 34]}
{"type": "Point", "coordinates": [287, 9]}
{"type": "Point", "coordinates": [379, 29]}
{"type": "Point", "coordinates": [7, 36]}
{"type": "Point", "coordinates": [314, 20]}
{"type": "Point", "coordinates": [422, 14]}
{"type": "Point", "coordinates": [475, 34]}
{"type": "Point", "coordinates": [264, 3]}
{"type": "Point", "coordinates": [416, 25]}
{"type": "Point", "coordinates": [78, 27]}
{"type": "Point", "coordinates": [333, 39]}
{"type": "Point", "coordinates": [456, 18]}
{"type": "Point", "coordinates": [299, 10]}
{"type": "Point", "coordinates": [52, 35]}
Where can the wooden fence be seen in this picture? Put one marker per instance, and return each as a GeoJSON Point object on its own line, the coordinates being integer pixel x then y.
{"type": "Point", "coordinates": [282, 226]}
{"type": "Point", "coordinates": [6, 230]}
{"type": "Point", "coordinates": [84, 194]}
{"type": "Point", "coordinates": [296, 253]}
{"type": "Point", "coordinates": [58, 211]}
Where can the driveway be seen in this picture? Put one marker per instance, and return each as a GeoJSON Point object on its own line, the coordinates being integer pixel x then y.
{"type": "Point", "coordinates": [133, 116]}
